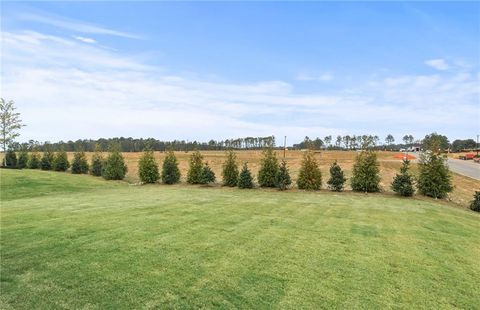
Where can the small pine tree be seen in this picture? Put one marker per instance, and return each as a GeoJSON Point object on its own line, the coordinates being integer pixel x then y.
{"type": "Point", "coordinates": [114, 167]}
{"type": "Point", "coordinates": [245, 179]}
{"type": "Point", "coordinates": [170, 171]}
{"type": "Point", "coordinates": [475, 205]}
{"type": "Point", "coordinates": [79, 163]}
{"type": "Point", "coordinates": [310, 176]}
{"type": "Point", "coordinates": [46, 163]}
{"type": "Point", "coordinates": [366, 173]}
{"type": "Point", "coordinates": [10, 159]}
{"type": "Point", "coordinates": [268, 169]}
{"type": "Point", "coordinates": [22, 159]}
{"type": "Point", "coordinates": [208, 176]}
{"type": "Point", "coordinates": [34, 160]}
{"type": "Point", "coordinates": [230, 170]}
{"type": "Point", "coordinates": [148, 167]}
{"type": "Point", "coordinates": [403, 183]}
{"type": "Point", "coordinates": [434, 179]}
{"type": "Point", "coordinates": [96, 165]}
{"type": "Point", "coordinates": [337, 178]}
{"type": "Point", "coordinates": [194, 175]}
{"type": "Point", "coordinates": [60, 162]}
{"type": "Point", "coordinates": [282, 178]}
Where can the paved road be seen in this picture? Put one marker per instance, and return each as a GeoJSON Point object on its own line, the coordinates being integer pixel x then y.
{"type": "Point", "coordinates": [465, 167]}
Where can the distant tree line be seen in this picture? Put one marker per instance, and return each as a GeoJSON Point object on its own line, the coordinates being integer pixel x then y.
{"type": "Point", "coordinates": [460, 145]}
{"type": "Point", "coordinates": [360, 142]}
{"type": "Point", "coordinates": [138, 145]}
{"type": "Point", "coordinates": [347, 142]}
{"type": "Point", "coordinates": [350, 142]}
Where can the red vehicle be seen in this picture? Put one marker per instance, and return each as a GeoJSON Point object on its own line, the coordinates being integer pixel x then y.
{"type": "Point", "coordinates": [467, 156]}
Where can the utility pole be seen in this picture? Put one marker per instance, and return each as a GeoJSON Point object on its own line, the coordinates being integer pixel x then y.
{"type": "Point", "coordinates": [285, 145]}
{"type": "Point", "coordinates": [477, 145]}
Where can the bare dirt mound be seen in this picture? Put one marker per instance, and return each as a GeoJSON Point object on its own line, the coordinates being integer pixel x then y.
{"type": "Point", "coordinates": [403, 156]}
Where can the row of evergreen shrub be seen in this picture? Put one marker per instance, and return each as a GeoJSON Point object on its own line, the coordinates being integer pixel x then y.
{"type": "Point", "coordinates": [434, 178]}
{"type": "Point", "coordinates": [148, 170]}
{"type": "Point", "coordinates": [198, 173]}
{"type": "Point", "coordinates": [111, 168]}
{"type": "Point", "coordinates": [271, 174]}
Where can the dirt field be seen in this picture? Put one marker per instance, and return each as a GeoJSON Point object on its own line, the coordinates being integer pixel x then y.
{"type": "Point", "coordinates": [389, 166]}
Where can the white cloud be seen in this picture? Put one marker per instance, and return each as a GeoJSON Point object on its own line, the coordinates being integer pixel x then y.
{"type": "Point", "coordinates": [439, 64]}
{"type": "Point", "coordinates": [86, 40]}
{"type": "Point", "coordinates": [69, 90]}
{"type": "Point", "coordinates": [396, 81]}
{"type": "Point", "coordinates": [40, 50]}
{"type": "Point", "coordinates": [75, 25]}
{"type": "Point", "coordinates": [324, 77]}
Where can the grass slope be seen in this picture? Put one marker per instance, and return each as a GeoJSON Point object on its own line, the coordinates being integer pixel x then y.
{"type": "Point", "coordinates": [78, 242]}
{"type": "Point", "coordinates": [28, 184]}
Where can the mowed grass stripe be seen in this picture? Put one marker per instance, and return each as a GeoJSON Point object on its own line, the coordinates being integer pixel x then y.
{"type": "Point", "coordinates": [18, 184]}
{"type": "Point", "coordinates": [120, 246]}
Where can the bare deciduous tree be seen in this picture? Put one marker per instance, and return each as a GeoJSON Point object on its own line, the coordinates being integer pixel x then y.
{"type": "Point", "coordinates": [389, 139]}
{"type": "Point", "coordinates": [10, 123]}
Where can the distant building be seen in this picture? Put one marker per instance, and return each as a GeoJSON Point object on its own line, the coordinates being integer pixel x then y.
{"type": "Point", "coordinates": [411, 149]}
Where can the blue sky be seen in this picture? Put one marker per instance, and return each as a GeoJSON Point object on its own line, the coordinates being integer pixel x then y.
{"type": "Point", "coordinates": [220, 70]}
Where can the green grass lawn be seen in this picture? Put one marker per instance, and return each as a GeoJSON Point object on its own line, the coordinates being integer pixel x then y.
{"type": "Point", "coordinates": [79, 242]}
